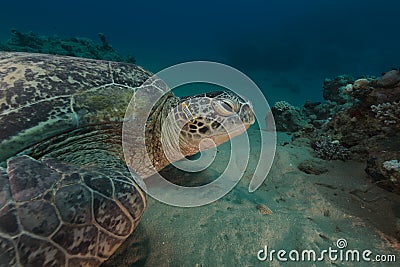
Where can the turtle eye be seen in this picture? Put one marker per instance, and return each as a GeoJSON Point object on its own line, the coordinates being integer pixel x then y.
{"type": "Point", "coordinates": [224, 107]}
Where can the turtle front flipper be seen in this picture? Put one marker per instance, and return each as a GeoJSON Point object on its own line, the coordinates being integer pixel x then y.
{"type": "Point", "coordinates": [53, 213]}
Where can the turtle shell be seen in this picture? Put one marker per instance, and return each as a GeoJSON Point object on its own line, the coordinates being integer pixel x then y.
{"type": "Point", "coordinates": [44, 95]}
{"type": "Point", "coordinates": [55, 214]}
{"type": "Point", "coordinates": [57, 210]}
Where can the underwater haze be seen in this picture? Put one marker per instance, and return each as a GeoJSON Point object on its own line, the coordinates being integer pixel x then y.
{"type": "Point", "coordinates": [287, 47]}
{"type": "Point", "coordinates": [319, 167]}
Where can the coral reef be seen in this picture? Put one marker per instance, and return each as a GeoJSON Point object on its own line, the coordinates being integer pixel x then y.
{"type": "Point", "coordinates": [390, 79]}
{"type": "Point", "coordinates": [76, 46]}
{"type": "Point", "coordinates": [392, 165]}
{"type": "Point", "coordinates": [283, 106]}
{"type": "Point", "coordinates": [318, 114]}
{"type": "Point", "coordinates": [367, 124]}
{"type": "Point", "coordinates": [334, 90]}
{"type": "Point", "coordinates": [372, 121]}
{"type": "Point", "coordinates": [384, 170]}
{"type": "Point", "coordinates": [287, 117]}
{"type": "Point", "coordinates": [329, 149]}
{"type": "Point", "coordinates": [359, 119]}
{"type": "Point", "coordinates": [336, 99]}
{"type": "Point", "coordinates": [388, 113]}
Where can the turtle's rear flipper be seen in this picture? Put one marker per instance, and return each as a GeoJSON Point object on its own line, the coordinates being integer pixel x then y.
{"type": "Point", "coordinates": [53, 213]}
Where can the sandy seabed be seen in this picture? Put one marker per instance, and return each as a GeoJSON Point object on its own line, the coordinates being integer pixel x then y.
{"type": "Point", "coordinates": [309, 212]}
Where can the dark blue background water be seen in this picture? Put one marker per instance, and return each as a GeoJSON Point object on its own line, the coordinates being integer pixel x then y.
{"type": "Point", "coordinates": [287, 47]}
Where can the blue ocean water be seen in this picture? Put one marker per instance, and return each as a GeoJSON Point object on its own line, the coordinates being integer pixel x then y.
{"type": "Point", "coordinates": [287, 47]}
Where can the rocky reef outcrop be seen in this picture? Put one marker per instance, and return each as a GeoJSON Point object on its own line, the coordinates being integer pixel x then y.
{"type": "Point", "coordinates": [370, 127]}
{"type": "Point", "coordinates": [359, 119]}
{"type": "Point", "coordinates": [287, 117]}
{"type": "Point", "coordinates": [75, 46]}
{"type": "Point", "coordinates": [334, 89]}
{"type": "Point", "coordinates": [329, 149]}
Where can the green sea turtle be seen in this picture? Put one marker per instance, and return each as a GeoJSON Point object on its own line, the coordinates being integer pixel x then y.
{"type": "Point", "coordinates": [67, 197]}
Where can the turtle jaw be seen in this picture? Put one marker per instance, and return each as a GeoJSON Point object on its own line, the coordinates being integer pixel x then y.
{"type": "Point", "coordinates": [224, 137]}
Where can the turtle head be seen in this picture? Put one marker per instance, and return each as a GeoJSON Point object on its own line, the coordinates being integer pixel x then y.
{"type": "Point", "coordinates": [180, 127]}
{"type": "Point", "coordinates": [218, 116]}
